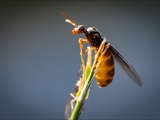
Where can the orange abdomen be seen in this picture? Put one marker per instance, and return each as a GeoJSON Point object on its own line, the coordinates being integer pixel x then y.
{"type": "Point", "coordinates": [105, 72]}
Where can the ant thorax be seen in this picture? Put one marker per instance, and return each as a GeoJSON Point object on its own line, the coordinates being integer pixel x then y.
{"type": "Point", "coordinates": [92, 29]}
{"type": "Point", "coordinates": [94, 37]}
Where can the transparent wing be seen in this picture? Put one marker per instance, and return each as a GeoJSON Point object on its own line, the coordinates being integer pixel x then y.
{"type": "Point", "coordinates": [68, 109]}
{"type": "Point", "coordinates": [126, 66]}
{"type": "Point", "coordinates": [72, 100]}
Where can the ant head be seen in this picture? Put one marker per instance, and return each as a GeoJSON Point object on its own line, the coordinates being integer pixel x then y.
{"type": "Point", "coordinates": [78, 29]}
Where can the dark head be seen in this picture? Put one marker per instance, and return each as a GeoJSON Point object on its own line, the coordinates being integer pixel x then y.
{"type": "Point", "coordinates": [78, 29]}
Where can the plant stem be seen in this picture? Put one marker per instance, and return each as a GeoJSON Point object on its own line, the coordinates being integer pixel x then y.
{"type": "Point", "coordinates": [81, 98]}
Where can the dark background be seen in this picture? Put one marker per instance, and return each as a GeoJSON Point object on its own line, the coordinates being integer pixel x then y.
{"type": "Point", "coordinates": [39, 58]}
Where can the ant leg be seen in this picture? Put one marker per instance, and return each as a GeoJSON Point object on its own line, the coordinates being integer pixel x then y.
{"type": "Point", "coordinates": [73, 100]}
{"type": "Point", "coordinates": [81, 42]}
{"type": "Point", "coordinates": [107, 46]}
{"type": "Point", "coordinates": [104, 49]}
{"type": "Point", "coordinates": [89, 58]}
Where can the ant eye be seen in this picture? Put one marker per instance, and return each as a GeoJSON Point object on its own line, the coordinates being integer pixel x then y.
{"type": "Point", "coordinates": [81, 28]}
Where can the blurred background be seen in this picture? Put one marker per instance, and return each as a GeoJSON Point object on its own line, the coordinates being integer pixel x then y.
{"type": "Point", "coordinates": [39, 58]}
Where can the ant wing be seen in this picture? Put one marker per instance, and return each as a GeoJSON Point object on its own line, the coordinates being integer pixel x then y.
{"type": "Point", "coordinates": [69, 20]}
{"type": "Point", "coordinates": [72, 100]}
{"type": "Point", "coordinates": [70, 104]}
{"type": "Point", "coordinates": [127, 66]}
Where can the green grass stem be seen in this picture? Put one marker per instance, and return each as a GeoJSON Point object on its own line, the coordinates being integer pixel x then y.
{"type": "Point", "coordinates": [81, 98]}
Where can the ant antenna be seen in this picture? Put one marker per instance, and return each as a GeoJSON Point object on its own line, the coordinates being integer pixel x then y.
{"type": "Point", "coordinates": [69, 20]}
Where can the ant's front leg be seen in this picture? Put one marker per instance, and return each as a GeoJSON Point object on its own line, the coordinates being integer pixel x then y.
{"type": "Point", "coordinates": [81, 42]}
